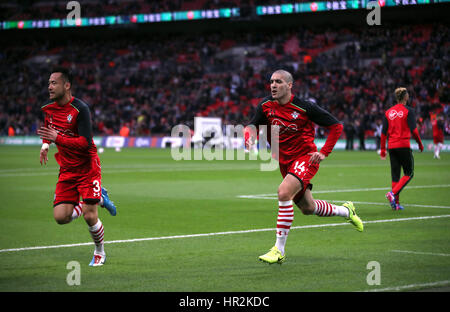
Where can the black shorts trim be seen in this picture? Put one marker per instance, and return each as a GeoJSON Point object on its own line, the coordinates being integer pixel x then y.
{"type": "Point", "coordinates": [310, 185]}
{"type": "Point", "coordinates": [91, 201]}
{"type": "Point", "coordinates": [64, 202]}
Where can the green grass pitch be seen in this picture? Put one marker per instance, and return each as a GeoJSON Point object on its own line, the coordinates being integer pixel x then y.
{"type": "Point", "coordinates": [153, 245]}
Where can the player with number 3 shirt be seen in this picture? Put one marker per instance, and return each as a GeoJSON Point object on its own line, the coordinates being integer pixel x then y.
{"type": "Point", "coordinates": [68, 125]}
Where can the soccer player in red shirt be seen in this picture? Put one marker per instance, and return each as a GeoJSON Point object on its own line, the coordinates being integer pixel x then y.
{"type": "Point", "coordinates": [299, 158]}
{"type": "Point", "coordinates": [438, 135]}
{"type": "Point", "coordinates": [68, 125]}
{"type": "Point", "coordinates": [399, 123]}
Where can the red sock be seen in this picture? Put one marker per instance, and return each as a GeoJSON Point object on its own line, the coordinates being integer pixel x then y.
{"type": "Point", "coordinates": [394, 184]}
{"type": "Point", "coordinates": [401, 184]}
{"type": "Point", "coordinates": [397, 197]}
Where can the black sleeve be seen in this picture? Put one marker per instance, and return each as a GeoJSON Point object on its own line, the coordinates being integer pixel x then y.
{"type": "Point", "coordinates": [411, 119]}
{"type": "Point", "coordinates": [259, 118]}
{"type": "Point", "coordinates": [318, 115]}
{"type": "Point", "coordinates": [385, 125]}
{"type": "Point", "coordinates": [84, 123]}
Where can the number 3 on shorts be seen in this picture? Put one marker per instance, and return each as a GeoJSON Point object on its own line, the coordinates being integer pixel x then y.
{"type": "Point", "coordinates": [96, 186]}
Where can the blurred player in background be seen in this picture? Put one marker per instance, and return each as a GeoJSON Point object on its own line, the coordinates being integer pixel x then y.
{"type": "Point", "coordinates": [399, 122]}
{"type": "Point", "coordinates": [68, 125]}
{"type": "Point", "coordinates": [438, 134]}
{"type": "Point", "coordinates": [298, 156]}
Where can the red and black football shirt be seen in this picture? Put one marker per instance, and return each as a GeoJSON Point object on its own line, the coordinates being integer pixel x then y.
{"type": "Point", "coordinates": [296, 120]}
{"type": "Point", "coordinates": [75, 143]}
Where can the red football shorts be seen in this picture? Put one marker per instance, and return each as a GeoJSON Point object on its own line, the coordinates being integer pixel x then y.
{"type": "Point", "coordinates": [438, 138]}
{"type": "Point", "coordinates": [303, 170]}
{"type": "Point", "coordinates": [72, 185]}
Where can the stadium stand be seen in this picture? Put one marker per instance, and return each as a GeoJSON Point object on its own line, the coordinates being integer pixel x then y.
{"type": "Point", "coordinates": [152, 85]}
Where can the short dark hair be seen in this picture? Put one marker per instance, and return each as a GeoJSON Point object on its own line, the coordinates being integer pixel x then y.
{"type": "Point", "coordinates": [65, 72]}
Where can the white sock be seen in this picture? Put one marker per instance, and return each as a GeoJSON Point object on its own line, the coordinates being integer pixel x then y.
{"type": "Point", "coordinates": [439, 148]}
{"type": "Point", "coordinates": [97, 234]}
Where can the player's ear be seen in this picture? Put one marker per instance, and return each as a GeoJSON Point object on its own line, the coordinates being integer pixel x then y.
{"type": "Point", "coordinates": [67, 86]}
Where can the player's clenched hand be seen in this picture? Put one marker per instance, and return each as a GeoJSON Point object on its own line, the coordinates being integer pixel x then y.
{"type": "Point", "coordinates": [316, 157]}
{"type": "Point", "coordinates": [48, 133]}
{"type": "Point", "coordinates": [383, 154]}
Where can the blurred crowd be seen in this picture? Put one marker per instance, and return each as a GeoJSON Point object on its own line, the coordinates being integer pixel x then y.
{"type": "Point", "coordinates": [150, 85]}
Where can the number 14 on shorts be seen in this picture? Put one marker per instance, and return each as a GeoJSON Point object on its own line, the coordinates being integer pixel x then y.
{"type": "Point", "coordinates": [299, 167]}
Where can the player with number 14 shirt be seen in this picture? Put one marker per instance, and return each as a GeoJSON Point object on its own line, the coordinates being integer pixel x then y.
{"type": "Point", "coordinates": [292, 127]}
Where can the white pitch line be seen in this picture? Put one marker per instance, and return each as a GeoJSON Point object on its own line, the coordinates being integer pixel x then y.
{"type": "Point", "coordinates": [221, 233]}
{"type": "Point", "coordinates": [359, 202]}
{"type": "Point", "coordinates": [398, 288]}
{"type": "Point", "coordinates": [274, 196]}
{"type": "Point", "coordinates": [422, 253]}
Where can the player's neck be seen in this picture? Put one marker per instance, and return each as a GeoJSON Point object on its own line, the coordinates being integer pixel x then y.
{"type": "Point", "coordinates": [65, 99]}
{"type": "Point", "coordinates": [285, 100]}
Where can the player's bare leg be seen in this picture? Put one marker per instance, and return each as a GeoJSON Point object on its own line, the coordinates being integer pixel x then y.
{"type": "Point", "coordinates": [90, 213]}
{"type": "Point", "coordinates": [66, 213]}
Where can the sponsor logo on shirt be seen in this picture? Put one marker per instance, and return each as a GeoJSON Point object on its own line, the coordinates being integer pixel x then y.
{"type": "Point", "coordinates": [394, 114]}
{"type": "Point", "coordinates": [284, 126]}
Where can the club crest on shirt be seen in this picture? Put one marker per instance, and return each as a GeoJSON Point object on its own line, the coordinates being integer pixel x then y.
{"type": "Point", "coordinates": [69, 118]}
{"type": "Point", "coordinates": [295, 115]}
